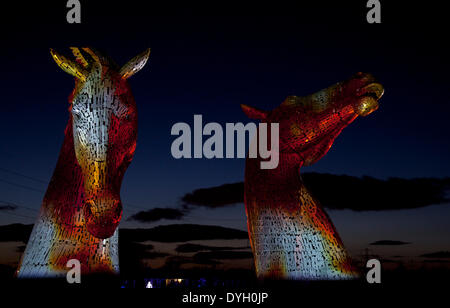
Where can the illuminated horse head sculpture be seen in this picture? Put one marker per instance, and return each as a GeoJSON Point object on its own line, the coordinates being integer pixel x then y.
{"type": "Point", "coordinates": [290, 234]}
{"type": "Point", "coordinates": [82, 208]}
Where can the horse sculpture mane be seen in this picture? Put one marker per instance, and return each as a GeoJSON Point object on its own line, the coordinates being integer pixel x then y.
{"type": "Point", "coordinates": [82, 208]}
{"type": "Point", "coordinates": [290, 233]}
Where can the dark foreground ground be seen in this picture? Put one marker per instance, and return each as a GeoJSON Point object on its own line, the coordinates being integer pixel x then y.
{"type": "Point", "coordinates": [237, 278]}
{"type": "Point", "coordinates": [229, 291]}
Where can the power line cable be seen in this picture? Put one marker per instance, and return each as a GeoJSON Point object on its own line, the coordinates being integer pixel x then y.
{"type": "Point", "coordinates": [18, 205]}
{"type": "Point", "coordinates": [127, 204]}
{"type": "Point", "coordinates": [23, 175]}
{"type": "Point", "coordinates": [19, 215]}
{"type": "Point", "coordinates": [21, 186]}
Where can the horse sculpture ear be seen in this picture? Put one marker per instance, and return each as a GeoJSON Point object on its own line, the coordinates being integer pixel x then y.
{"type": "Point", "coordinates": [254, 113]}
{"type": "Point", "coordinates": [69, 66]}
{"type": "Point", "coordinates": [135, 65]}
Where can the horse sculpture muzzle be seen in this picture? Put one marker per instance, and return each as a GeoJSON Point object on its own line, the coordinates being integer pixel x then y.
{"type": "Point", "coordinates": [102, 208]}
{"type": "Point", "coordinates": [102, 216]}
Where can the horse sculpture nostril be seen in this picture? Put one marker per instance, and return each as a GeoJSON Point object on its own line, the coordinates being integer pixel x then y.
{"type": "Point", "coordinates": [118, 211]}
{"type": "Point", "coordinates": [366, 106]}
{"type": "Point", "coordinates": [102, 217]}
{"type": "Point", "coordinates": [87, 209]}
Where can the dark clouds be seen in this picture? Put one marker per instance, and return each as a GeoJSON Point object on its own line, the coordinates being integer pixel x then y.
{"type": "Point", "coordinates": [189, 247]}
{"type": "Point", "coordinates": [7, 207]}
{"type": "Point", "coordinates": [207, 258]}
{"type": "Point", "coordinates": [156, 214]}
{"type": "Point", "coordinates": [343, 192]}
{"type": "Point", "coordinates": [216, 196]}
{"type": "Point", "coordinates": [15, 233]}
{"type": "Point", "coordinates": [20, 248]}
{"type": "Point", "coordinates": [388, 243]}
{"type": "Point", "coordinates": [437, 254]}
{"type": "Point", "coordinates": [182, 233]}
{"type": "Point", "coordinates": [367, 193]}
{"type": "Point", "coordinates": [436, 261]}
{"type": "Point", "coordinates": [154, 255]}
{"type": "Point", "coordinates": [178, 261]}
{"type": "Point", "coordinates": [221, 255]}
{"type": "Point", "coordinates": [132, 253]}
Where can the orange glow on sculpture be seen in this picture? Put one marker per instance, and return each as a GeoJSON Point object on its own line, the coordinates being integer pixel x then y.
{"type": "Point", "coordinates": [290, 234]}
{"type": "Point", "coordinates": [82, 207]}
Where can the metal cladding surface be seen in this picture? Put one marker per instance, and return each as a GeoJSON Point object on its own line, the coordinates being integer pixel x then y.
{"type": "Point", "coordinates": [82, 208]}
{"type": "Point", "coordinates": [291, 235]}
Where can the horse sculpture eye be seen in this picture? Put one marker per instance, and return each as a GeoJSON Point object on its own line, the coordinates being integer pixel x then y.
{"type": "Point", "coordinates": [76, 114]}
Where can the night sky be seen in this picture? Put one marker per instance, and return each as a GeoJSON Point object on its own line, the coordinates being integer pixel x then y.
{"type": "Point", "coordinates": [209, 61]}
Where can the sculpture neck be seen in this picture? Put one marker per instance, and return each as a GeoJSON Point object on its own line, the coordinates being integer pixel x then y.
{"type": "Point", "coordinates": [285, 177]}
{"type": "Point", "coordinates": [65, 190]}
{"type": "Point", "coordinates": [60, 233]}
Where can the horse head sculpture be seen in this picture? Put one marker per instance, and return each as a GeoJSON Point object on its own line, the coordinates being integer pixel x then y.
{"type": "Point", "coordinates": [104, 121]}
{"type": "Point", "coordinates": [310, 124]}
{"type": "Point", "coordinates": [82, 207]}
{"type": "Point", "coordinates": [290, 233]}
